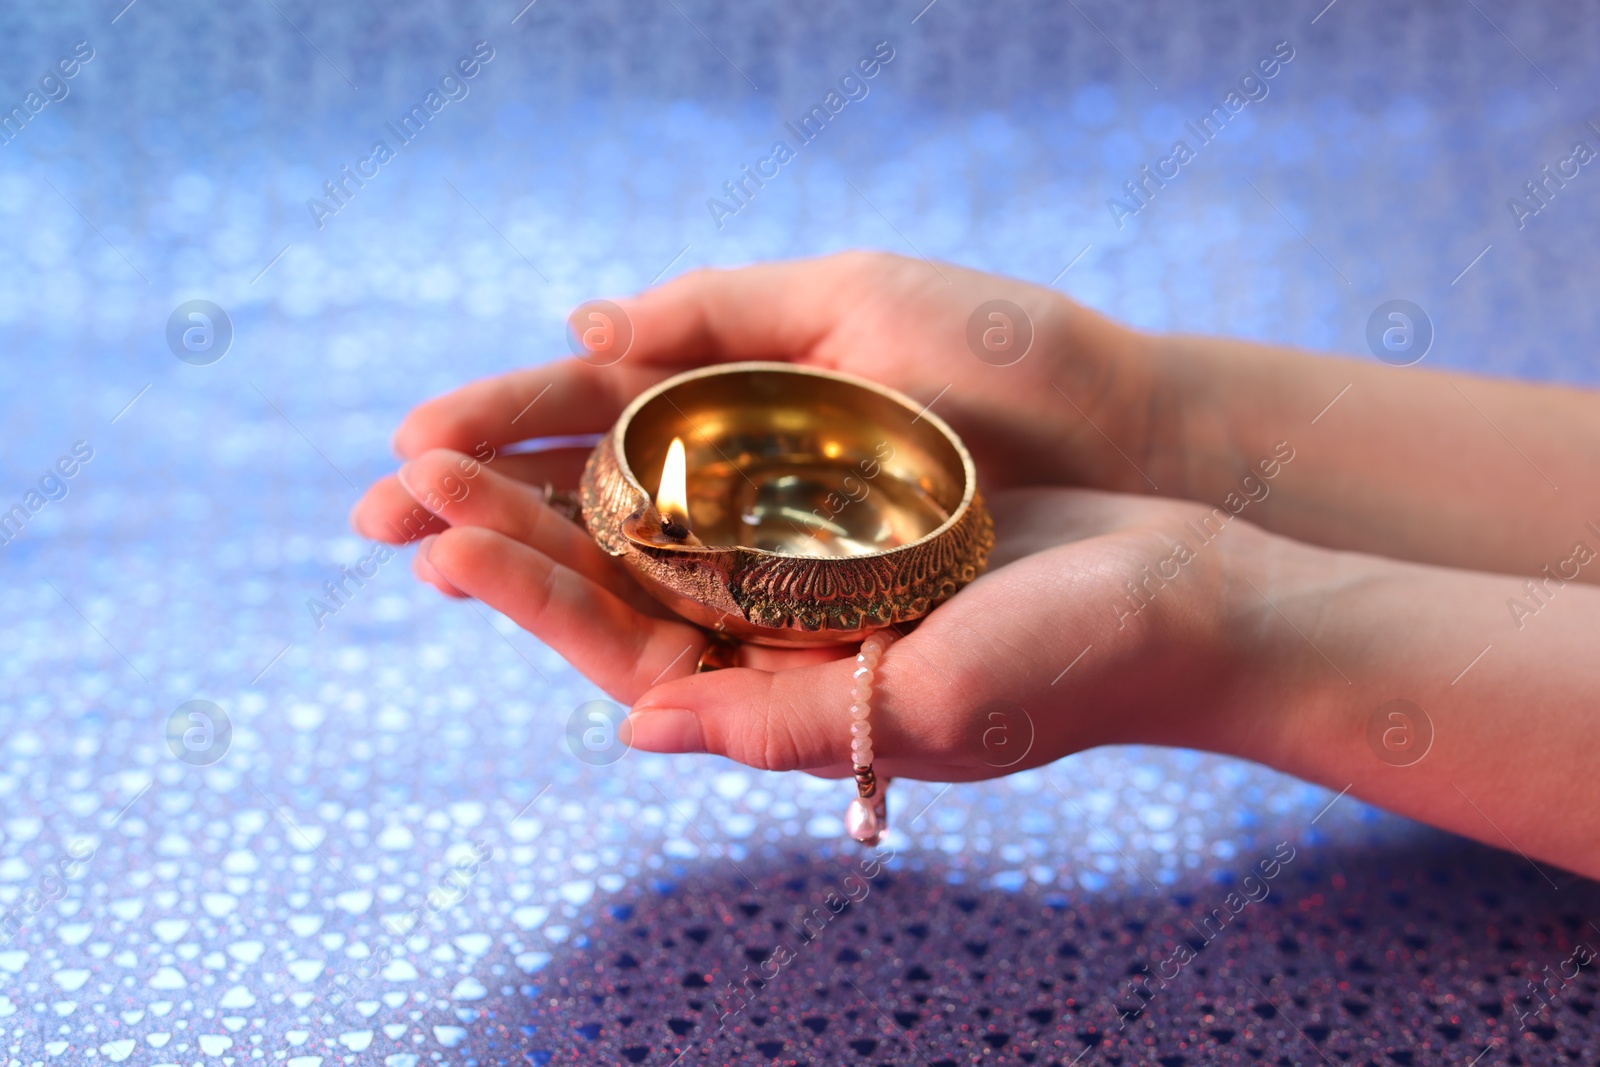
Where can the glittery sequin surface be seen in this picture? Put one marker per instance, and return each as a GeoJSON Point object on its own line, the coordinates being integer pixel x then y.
{"type": "Point", "coordinates": [235, 828]}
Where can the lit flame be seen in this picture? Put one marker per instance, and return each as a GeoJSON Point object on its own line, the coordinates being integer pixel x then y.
{"type": "Point", "coordinates": [672, 499]}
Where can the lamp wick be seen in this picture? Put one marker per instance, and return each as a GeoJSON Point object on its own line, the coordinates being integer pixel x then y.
{"type": "Point", "coordinates": [674, 529]}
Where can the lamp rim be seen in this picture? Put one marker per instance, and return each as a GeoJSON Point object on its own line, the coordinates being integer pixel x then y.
{"type": "Point", "coordinates": [969, 470]}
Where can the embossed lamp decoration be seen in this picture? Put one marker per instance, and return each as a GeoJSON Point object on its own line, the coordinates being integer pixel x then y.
{"type": "Point", "coordinates": [792, 507]}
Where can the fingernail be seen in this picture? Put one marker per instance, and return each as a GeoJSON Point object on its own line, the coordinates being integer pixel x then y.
{"type": "Point", "coordinates": [424, 545]}
{"type": "Point", "coordinates": [403, 475]}
{"type": "Point", "coordinates": [664, 730]}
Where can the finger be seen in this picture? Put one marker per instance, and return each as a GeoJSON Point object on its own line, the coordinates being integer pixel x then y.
{"type": "Point", "coordinates": [425, 571]}
{"type": "Point", "coordinates": [463, 492]}
{"type": "Point", "coordinates": [386, 512]}
{"type": "Point", "coordinates": [560, 399]}
{"type": "Point", "coordinates": [833, 772]}
{"type": "Point", "coordinates": [787, 720]}
{"type": "Point", "coordinates": [621, 650]}
{"type": "Point", "coordinates": [775, 311]}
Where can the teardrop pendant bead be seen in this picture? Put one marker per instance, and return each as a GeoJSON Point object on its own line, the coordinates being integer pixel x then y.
{"type": "Point", "coordinates": [861, 821]}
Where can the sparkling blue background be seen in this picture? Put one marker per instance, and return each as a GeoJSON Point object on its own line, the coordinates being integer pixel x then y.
{"type": "Point", "coordinates": [622, 901]}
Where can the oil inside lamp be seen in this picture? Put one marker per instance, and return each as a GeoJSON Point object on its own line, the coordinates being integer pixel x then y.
{"type": "Point", "coordinates": [792, 494]}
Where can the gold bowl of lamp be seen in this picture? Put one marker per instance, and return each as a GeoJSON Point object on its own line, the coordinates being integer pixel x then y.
{"type": "Point", "coordinates": [786, 505]}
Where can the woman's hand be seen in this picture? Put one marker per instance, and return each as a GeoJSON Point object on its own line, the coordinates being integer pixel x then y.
{"type": "Point", "coordinates": [1050, 417]}
{"type": "Point", "coordinates": [1047, 653]}
{"type": "Point", "coordinates": [1071, 409]}
{"type": "Point", "coordinates": [1106, 619]}
{"type": "Point", "coordinates": [982, 687]}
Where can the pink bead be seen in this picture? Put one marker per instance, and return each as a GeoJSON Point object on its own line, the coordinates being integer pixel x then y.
{"type": "Point", "coordinates": [864, 678]}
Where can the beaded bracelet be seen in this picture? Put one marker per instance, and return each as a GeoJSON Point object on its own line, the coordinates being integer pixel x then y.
{"type": "Point", "coordinates": [867, 817]}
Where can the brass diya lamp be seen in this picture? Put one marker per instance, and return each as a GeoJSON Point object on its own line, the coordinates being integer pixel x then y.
{"type": "Point", "coordinates": [788, 506]}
